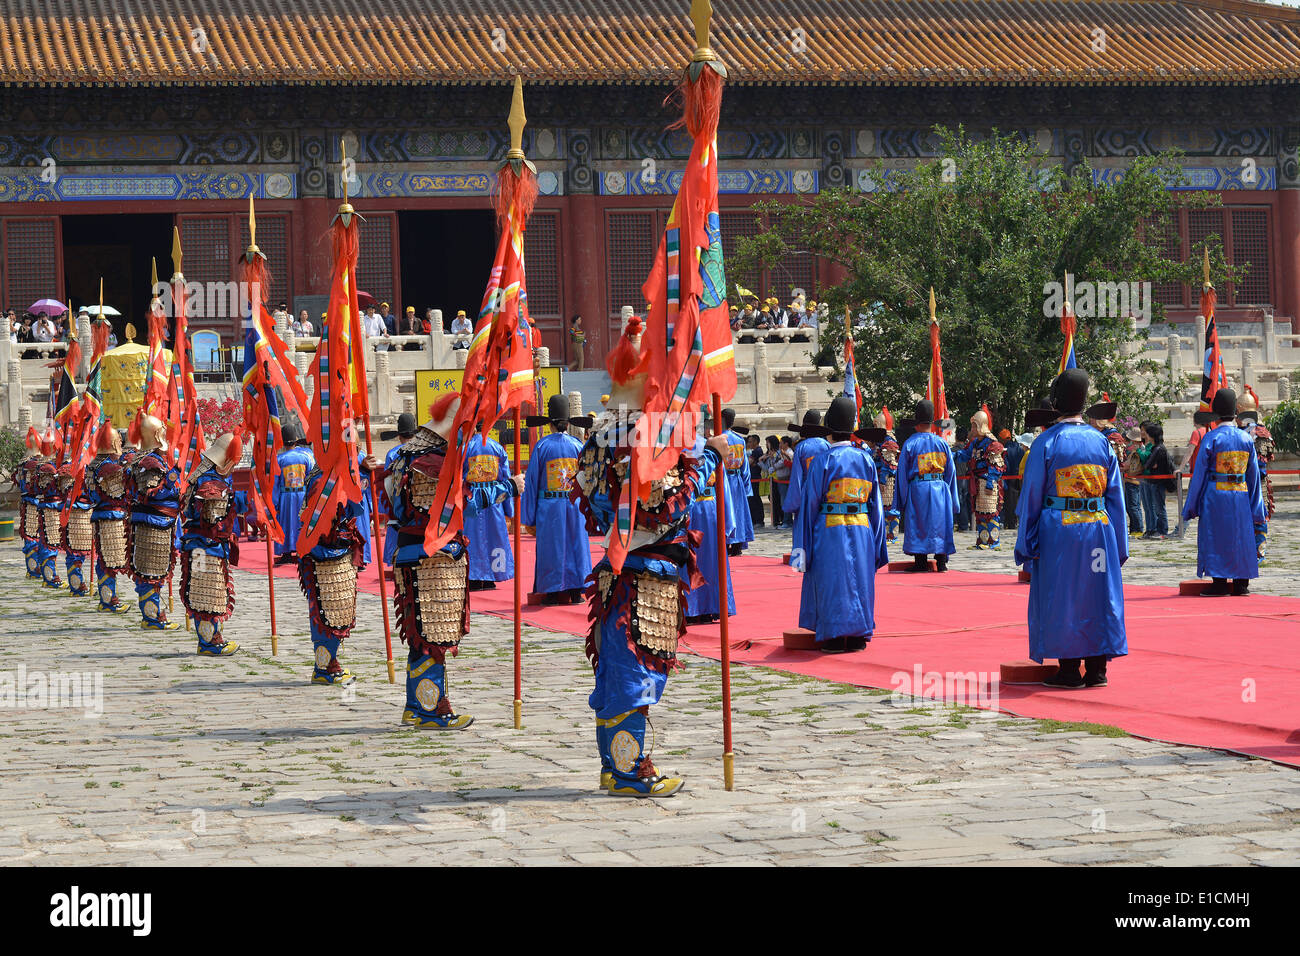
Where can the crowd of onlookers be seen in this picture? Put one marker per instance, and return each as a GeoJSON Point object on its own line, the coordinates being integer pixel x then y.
{"type": "Point", "coordinates": [42, 328]}
{"type": "Point", "coordinates": [379, 322]}
{"type": "Point", "coordinates": [765, 316]}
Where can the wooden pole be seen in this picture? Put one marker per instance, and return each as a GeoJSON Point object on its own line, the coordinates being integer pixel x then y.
{"type": "Point", "coordinates": [519, 670]}
{"type": "Point", "coordinates": [720, 496]}
{"type": "Point", "coordinates": [270, 584]}
{"type": "Point", "coordinates": [377, 542]}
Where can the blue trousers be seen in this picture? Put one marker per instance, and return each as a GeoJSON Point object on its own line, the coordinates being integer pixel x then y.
{"type": "Point", "coordinates": [1153, 506]}
{"type": "Point", "coordinates": [1133, 505]}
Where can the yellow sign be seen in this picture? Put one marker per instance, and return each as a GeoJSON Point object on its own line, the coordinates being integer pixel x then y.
{"type": "Point", "coordinates": [432, 384]}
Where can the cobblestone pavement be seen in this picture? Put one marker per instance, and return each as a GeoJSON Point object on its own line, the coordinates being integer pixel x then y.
{"type": "Point", "coordinates": [242, 761]}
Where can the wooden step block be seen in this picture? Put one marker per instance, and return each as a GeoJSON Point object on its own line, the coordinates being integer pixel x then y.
{"type": "Point", "coordinates": [785, 558]}
{"type": "Point", "coordinates": [1023, 577]}
{"type": "Point", "coordinates": [904, 566]}
{"type": "Point", "coordinates": [1193, 588]}
{"type": "Point", "coordinates": [533, 599]}
{"type": "Point", "coordinates": [799, 640]}
{"type": "Point", "coordinates": [1027, 672]}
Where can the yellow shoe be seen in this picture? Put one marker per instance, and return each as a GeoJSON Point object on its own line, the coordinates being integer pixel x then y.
{"type": "Point", "coordinates": [450, 722]}
{"type": "Point", "coordinates": [408, 717]}
{"type": "Point", "coordinates": [164, 626]}
{"type": "Point", "coordinates": [649, 787]}
{"type": "Point", "coordinates": [606, 780]}
{"type": "Point", "coordinates": [217, 650]}
{"type": "Point", "coordinates": [342, 677]}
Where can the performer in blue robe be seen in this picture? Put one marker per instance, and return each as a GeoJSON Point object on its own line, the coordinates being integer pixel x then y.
{"type": "Point", "coordinates": [290, 488]}
{"type": "Point", "coordinates": [1073, 538]}
{"type": "Point", "coordinates": [209, 547]}
{"type": "Point", "coordinates": [926, 492]}
{"type": "Point", "coordinates": [563, 560]}
{"type": "Point", "coordinates": [843, 533]}
{"type": "Point", "coordinates": [1227, 495]}
{"type": "Point", "coordinates": [487, 506]}
{"type": "Point", "coordinates": [738, 484]}
{"type": "Point", "coordinates": [155, 505]}
{"type": "Point", "coordinates": [636, 614]}
{"type": "Point", "coordinates": [702, 604]}
{"type": "Point", "coordinates": [810, 445]}
{"type": "Point", "coordinates": [367, 466]}
{"type": "Point", "coordinates": [405, 431]}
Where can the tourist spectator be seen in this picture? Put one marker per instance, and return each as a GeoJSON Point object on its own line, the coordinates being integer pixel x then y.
{"type": "Point", "coordinates": [43, 330]}
{"type": "Point", "coordinates": [410, 324]}
{"type": "Point", "coordinates": [462, 330]}
{"type": "Point", "coordinates": [735, 318]}
{"type": "Point", "coordinates": [754, 449]}
{"type": "Point", "coordinates": [431, 322]}
{"type": "Point", "coordinates": [375, 328]}
{"type": "Point", "coordinates": [776, 465]}
{"type": "Point", "coordinates": [578, 342]}
{"type": "Point", "coordinates": [302, 325]}
{"type": "Point", "coordinates": [1157, 463]}
{"type": "Point", "coordinates": [282, 314]}
{"type": "Point", "coordinates": [1132, 468]}
{"type": "Point", "coordinates": [390, 320]}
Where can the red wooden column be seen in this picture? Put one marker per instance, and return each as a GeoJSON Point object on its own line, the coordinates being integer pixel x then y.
{"type": "Point", "coordinates": [1288, 265]}
{"type": "Point", "coordinates": [584, 276]}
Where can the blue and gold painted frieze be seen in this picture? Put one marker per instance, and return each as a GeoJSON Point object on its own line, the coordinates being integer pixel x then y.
{"type": "Point", "coordinates": [33, 186]}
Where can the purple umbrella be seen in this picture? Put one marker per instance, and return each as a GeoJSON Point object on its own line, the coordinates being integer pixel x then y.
{"type": "Point", "coordinates": [48, 306]}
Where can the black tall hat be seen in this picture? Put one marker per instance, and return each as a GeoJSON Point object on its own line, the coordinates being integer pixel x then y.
{"type": "Point", "coordinates": [406, 426]}
{"type": "Point", "coordinates": [1102, 411]}
{"type": "Point", "coordinates": [873, 435]}
{"type": "Point", "coordinates": [1069, 391]}
{"type": "Point", "coordinates": [923, 413]}
{"type": "Point", "coordinates": [811, 419]}
{"type": "Point", "coordinates": [1042, 416]}
{"type": "Point", "coordinates": [842, 417]}
{"type": "Point", "coordinates": [290, 432]}
{"type": "Point", "coordinates": [557, 413]}
{"type": "Point", "coordinates": [1225, 404]}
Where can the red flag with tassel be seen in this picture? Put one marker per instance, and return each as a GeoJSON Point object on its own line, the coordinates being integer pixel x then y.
{"type": "Point", "coordinates": [184, 429]}
{"type": "Point", "coordinates": [498, 373]}
{"type": "Point", "coordinates": [332, 425]}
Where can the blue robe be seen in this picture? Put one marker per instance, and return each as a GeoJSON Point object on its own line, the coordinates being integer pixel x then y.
{"type": "Point", "coordinates": [928, 503]}
{"type": "Point", "coordinates": [390, 533]}
{"type": "Point", "coordinates": [487, 471]}
{"type": "Point", "coordinates": [704, 519]}
{"type": "Point", "coordinates": [1229, 510]}
{"type": "Point", "coordinates": [1076, 593]}
{"type": "Point", "coordinates": [563, 559]}
{"type": "Point", "coordinates": [841, 550]}
{"type": "Point", "coordinates": [289, 492]}
{"type": "Point", "coordinates": [738, 488]}
{"type": "Point", "coordinates": [363, 525]}
{"type": "Point", "coordinates": [805, 453]}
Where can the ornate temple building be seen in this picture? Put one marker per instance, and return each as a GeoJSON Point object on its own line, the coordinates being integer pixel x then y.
{"type": "Point", "coordinates": [118, 120]}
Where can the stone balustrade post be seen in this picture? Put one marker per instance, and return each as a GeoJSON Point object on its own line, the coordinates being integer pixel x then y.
{"type": "Point", "coordinates": [1200, 335]}
{"type": "Point", "coordinates": [1270, 340]}
{"type": "Point", "coordinates": [14, 406]}
{"type": "Point", "coordinates": [1247, 367]}
{"type": "Point", "coordinates": [1283, 388]}
{"type": "Point", "coordinates": [383, 385]}
{"type": "Point", "coordinates": [461, 356]}
{"type": "Point", "coordinates": [762, 375]}
{"type": "Point", "coordinates": [800, 403]}
{"type": "Point", "coordinates": [1174, 359]}
{"type": "Point", "coordinates": [24, 417]}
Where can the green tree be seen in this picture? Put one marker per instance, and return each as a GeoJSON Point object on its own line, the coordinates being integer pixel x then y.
{"type": "Point", "coordinates": [989, 224]}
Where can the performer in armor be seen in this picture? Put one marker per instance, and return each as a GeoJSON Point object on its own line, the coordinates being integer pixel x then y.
{"type": "Point", "coordinates": [155, 505]}
{"type": "Point", "coordinates": [77, 535]}
{"type": "Point", "coordinates": [209, 546]}
{"type": "Point", "coordinates": [328, 576]}
{"type": "Point", "coordinates": [1248, 421]}
{"type": "Point", "coordinates": [49, 504]}
{"type": "Point", "coordinates": [637, 615]}
{"type": "Point", "coordinates": [885, 454]}
{"type": "Point", "coordinates": [548, 512]}
{"type": "Point", "coordinates": [738, 485]}
{"type": "Point", "coordinates": [985, 454]}
{"type": "Point", "coordinates": [487, 533]}
{"type": "Point", "coordinates": [29, 516]}
{"type": "Point", "coordinates": [404, 432]}
{"type": "Point", "coordinates": [430, 590]}
{"type": "Point", "coordinates": [1226, 494]}
{"type": "Point", "coordinates": [106, 485]}
{"type": "Point", "coordinates": [927, 493]}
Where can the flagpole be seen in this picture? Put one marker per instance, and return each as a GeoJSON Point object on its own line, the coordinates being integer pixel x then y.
{"type": "Point", "coordinates": [519, 670]}
{"type": "Point", "coordinates": [377, 536]}
{"type": "Point", "coordinates": [720, 496]}
{"type": "Point", "coordinates": [270, 584]}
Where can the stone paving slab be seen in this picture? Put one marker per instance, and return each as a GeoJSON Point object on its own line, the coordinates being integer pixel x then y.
{"type": "Point", "coordinates": [242, 762]}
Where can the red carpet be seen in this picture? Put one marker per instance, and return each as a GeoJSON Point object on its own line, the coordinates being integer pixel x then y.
{"type": "Point", "coordinates": [1221, 673]}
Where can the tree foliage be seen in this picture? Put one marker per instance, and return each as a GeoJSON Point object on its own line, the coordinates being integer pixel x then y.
{"type": "Point", "coordinates": [988, 223]}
